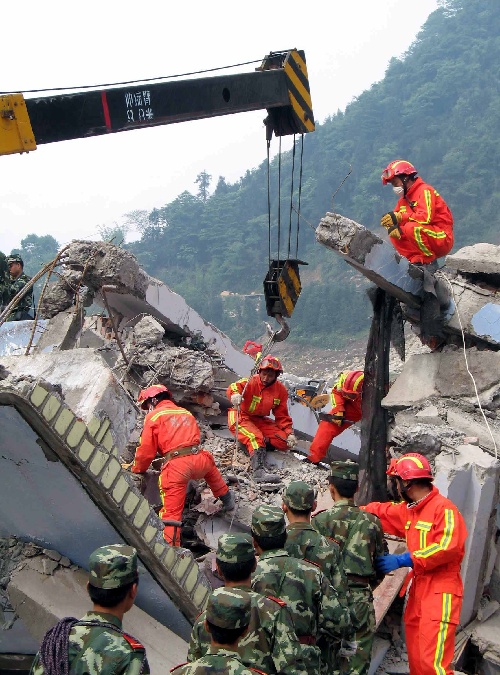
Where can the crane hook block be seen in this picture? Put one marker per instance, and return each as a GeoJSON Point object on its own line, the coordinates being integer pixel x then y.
{"type": "Point", "coordinates": [16, 134]}
{"type": "Point", "coordinates": [282, 287]}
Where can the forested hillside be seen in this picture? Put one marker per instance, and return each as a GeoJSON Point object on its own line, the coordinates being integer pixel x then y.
{"type": "Point", "coordinates": [437, 106]}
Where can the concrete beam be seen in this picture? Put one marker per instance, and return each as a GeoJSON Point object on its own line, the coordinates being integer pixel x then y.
{"type": "Point", "coordinates": [469, 477]}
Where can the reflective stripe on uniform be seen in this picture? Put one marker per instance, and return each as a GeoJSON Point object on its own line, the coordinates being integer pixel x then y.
{"type": "Point", "coordinates": [430, 233]}
{"type": "Point", "coordinates": [241, 430]}
{"type": "Point", "coordinates": [255, 402]}
{"type": "Point", "coordinates": [442, 634]}
{"type": "Point", "coordinates": [449, 526]}
{"type": "Point", "coordinates": [178, 411]}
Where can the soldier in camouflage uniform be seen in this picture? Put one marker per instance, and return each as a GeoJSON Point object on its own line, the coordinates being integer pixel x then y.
{"type": "Point", "coordinates": [313, 603]}
{"type": "Point", "coordinates": [17, 281]}
{"type": "Point", "coordinates": [4, 281]}
{"type": "Point", "coordinates": [305, 543]}
{"type": "Point", "coordinates": [361, 540]}
{"type": "Point", "coordinates": [227, 618]}
{"type": "Point", "coordinates": [96, 644]}
{"type": "Point", "coordinates": [271, 643]}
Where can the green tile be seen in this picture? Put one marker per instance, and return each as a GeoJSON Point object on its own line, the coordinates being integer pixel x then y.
{"type": "Point", "coordinates": [149, 533]}
{"type": "Point", "coordinates": [191, 579]}
{"type": "Point", "coordinates": [51, 408]}
{"type": "Point", "coordinates": [159, 549]}
{"type": "Point", "coordinates": [170, 558]}
{"type": "Point", "coordinates": [85, 451]}
{"type": "Point", "coordinates": [63, 422]}
{"type": "Point", "coordinates": [130, 503]}
{"type": "Point", "coordinates": [98, 462]}
{"type": "Point", "coordinates": [120, 490]}
{"type": "Point", "coordinates": [200, 596]}
{"type": "Point", "coordinates": [107, 441]}
{"type": "Point", "coordinates": [183, 566]}
{"type": "Point", "coordinates": [111, 471]}
{"type": "Point", "coordinates": [104, 427]}
{"type": "Point", "coordinates": [76, 434]}
{"type": "Point", "coordinates": [38, 396]}
{"type": "Point", "coordinates": [93, 426]}
{"type": "Point", "coordinates": [142, 514]}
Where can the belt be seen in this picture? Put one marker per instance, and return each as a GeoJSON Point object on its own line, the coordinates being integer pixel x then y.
{"type": "Point", "coordinates": [182, 452]}
{"type": "Point", "coordinates": [307, 639]}
{"type": "Point", "coordinates": [355, 578]}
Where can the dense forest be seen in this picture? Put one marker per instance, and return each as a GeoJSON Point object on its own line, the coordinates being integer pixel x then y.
{"type": "Point", "coordinates": [437, 106]}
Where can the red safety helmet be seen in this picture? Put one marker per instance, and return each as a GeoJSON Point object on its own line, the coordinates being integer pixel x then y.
{"type": "Point", "coordinates": [409, 466]}
{"type": "Point", "coordinates": [151, 392]}
{"type": "Point", "coordinates": [272, 363]}
{"type": "Point", "coordinates": [399, 167]}
{"type": "Point", "coordinates": [350, 382]}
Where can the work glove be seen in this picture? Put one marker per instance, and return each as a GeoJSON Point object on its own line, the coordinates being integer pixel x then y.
{"type": "Point", "coordinates": [236, 400]}
{"type": "Point", "coordinates": [126, 466]}
{"type": "Point", "coordinates": [291, 441]}
{"type": "Point", "coordinates": [391, 223]}
{"type": "Point", "coordinates": [390, 562]}
{"type": "Point", "coordinates": [337, 419]}
{"type": "Point", "coordinates": [348, 649]}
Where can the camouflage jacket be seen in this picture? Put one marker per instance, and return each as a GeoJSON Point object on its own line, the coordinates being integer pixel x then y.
{"type": "Point", "coordinates": [4, 281]}
{"type": "Point", "coordinates": [216, 662]}
{"type": "Point", "coordinates": [100, 650]}
{"type": "Point", "coordinates": [366, 543]}
{"type": "Point", "coordinates": [270, 644]}
{"type": "Point", "coordinates": [312, 601]}
{"type": "Point", "coordinates": [304, 542]}
{"type": "Point", "coordinates": [15, 285]}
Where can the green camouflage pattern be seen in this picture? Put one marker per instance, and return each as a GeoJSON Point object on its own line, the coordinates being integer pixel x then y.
{"type": "Point", "coordinates": [270, 644]}
{"type": "Point", "coordinates": [4, 281]}
{"type": "Point", "coordinates": [100, 650]}
{"type": "Point", "coordinates": [300, 496]}
{"type": "Point", "coordinates": [305, 543]}
{"type": "Point", "coordinates": [113, 566]}
{"type": "Point", "coordinates": [313, 603]}
{"type": "Point", "coordinates": [25, 304]}
{"type": "Point", "coordinates": [366, 543]}
{"type": "Point", "coordinates": [216, 662]}
{"type": "Point", "coordinates": [235, 548]}
{"type": "Point", "coordinates": [363, 616]}
{"type": "Point", "coordinates": [346, 470]}
{"type": "Point", "coordinates": [268, 521]}
{"type": "Point", "coordinates": [228, 609]}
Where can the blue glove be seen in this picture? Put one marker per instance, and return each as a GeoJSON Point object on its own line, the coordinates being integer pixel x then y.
{"type": "Point", "coordinates": [389, 563]}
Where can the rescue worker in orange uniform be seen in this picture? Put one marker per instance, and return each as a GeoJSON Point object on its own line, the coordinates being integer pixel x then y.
{"type": "Point", "coordinates": [173, 432]}
{"type": "Point", "coordinates": [346, 409]}
{"type": "Point", "coordinates": [421, 225]}
{"type": "Point", "coordinates": [253, 400]}
{"type": "Point", "coordinates": [435, 534]}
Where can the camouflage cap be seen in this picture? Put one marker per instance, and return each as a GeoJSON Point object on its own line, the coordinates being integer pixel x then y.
{"type": "Point", "coordinates": [345, 470]}
{"type": "Point", "coordinates": [235, 548]}
{"type": "Point", "coordinates": [113, 566]}
{"type": "Point", "coordinates": [299, 495]}
{"type": "Point", "coordinates": [13, 258]}
{"type": "Point", "coordinates": [268, 521]}
{"type": "Point", "coordinates": [229, 608]}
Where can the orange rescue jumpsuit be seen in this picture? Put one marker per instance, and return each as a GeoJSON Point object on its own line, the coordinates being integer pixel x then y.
{"type": "Point", "coordinates": [427, 225]}
{"type": "Point", "coordinates": [435, 535]}
{"type": "Point", "coordinates": [327, 431]}
{"type": "Point", "coordinates": [166, 429]}
{"type": "Point", "coordinates": [254, 427]}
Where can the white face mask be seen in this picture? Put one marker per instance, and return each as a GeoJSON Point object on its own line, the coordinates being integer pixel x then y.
{"type": "Point", "coordinates": [399, 190]}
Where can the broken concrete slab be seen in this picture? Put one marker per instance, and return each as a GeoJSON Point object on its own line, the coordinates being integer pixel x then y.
{"type": "Point", "coordinates": [470, 478]}
{"type": "Point", "coordinates": [486, 636]}
{"type": "Point", "coordinates": [481, 258]}
{"type": "Point", "coordinates": [15, 336]}
{"type": "Point", "coordinates": [40, 603]}
{"type": "Point", "coordinates": [474, 425]}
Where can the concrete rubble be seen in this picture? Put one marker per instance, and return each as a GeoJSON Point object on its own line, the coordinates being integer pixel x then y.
{"type": "Point", "coordinates": [70, 406]}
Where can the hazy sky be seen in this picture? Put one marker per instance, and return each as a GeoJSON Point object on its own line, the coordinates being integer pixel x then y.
{"type": "Point", "coordinates": [67, 189]}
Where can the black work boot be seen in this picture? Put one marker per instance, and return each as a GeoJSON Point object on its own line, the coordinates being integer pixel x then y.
{"type": "Point", "coordinates": [258, 466]}
{"type": "Point", "coordinates": [228, 501]}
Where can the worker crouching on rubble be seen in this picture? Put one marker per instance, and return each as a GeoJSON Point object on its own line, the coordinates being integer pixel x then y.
{"type": "Point", "coordinates": [253, 400]}
{"type": "Point", "coordinates": [346, 409]}
{"type": "Point", "coordinates": [173, 432]}
{"type": "Point", "coordinates": [421, 225]}
{"type": "Point", "coordinates": [435, 534]}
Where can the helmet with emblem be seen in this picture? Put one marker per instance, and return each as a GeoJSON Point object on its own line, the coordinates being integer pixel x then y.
{"type": "Point", "coordinates": [350, 383]}
{"type": "Point", "coordinates": [271, 363]}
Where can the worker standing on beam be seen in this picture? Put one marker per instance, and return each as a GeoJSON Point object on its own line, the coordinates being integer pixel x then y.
{"type": "Point", "coordinates": [253, 400]}
{"type": "Point", "coordinates": [346, 409]}
{"type": "Point", "coordinates": [173, 432]}
{"type": "Point", "coordinates": [421, 225]}
{"type": "Point", "coordinates": [435, 534]}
